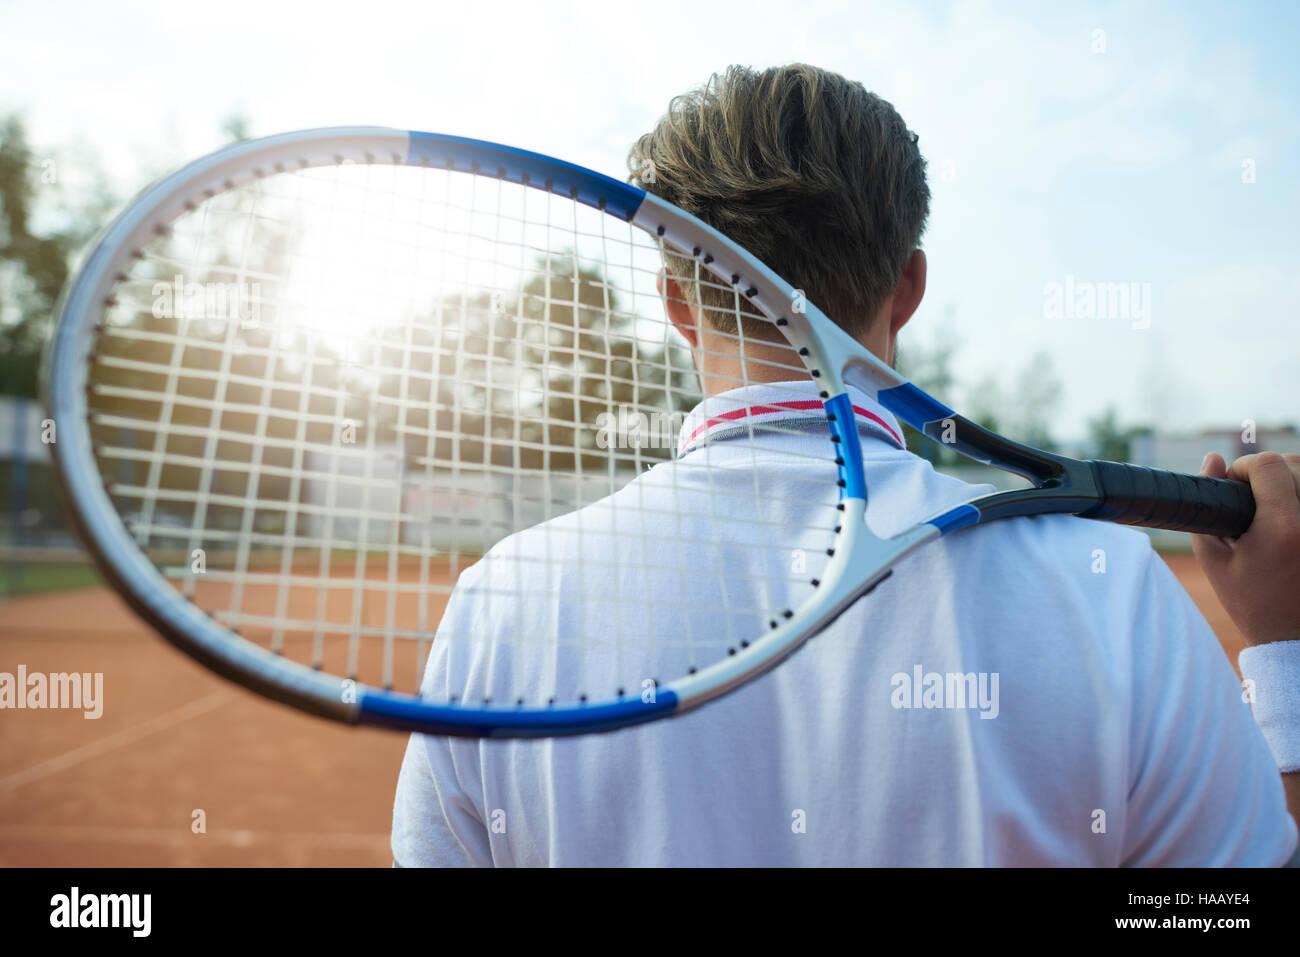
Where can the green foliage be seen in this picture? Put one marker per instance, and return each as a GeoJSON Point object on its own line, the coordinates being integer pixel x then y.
{"type": "Point", "coordinates": [237, 127]}
{"type": "Point", "coordinates": [26, 577]}
{"type": "Point", "coordinates": [513, 379]}
{"type": "Point", "coordinates": [930, 369]}
{"type": "Point", "coordinates": [1110, 441]}
{"type": "Point", "coordinates": [1025, 410]}
{"type": "Point", "coordinates": [518, 379]}
{"type": "Point", "coordinates": [33, 262]}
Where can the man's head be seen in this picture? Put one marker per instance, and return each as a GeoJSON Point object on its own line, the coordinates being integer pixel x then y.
{"type": "Point", "coordinates": [818, 178]}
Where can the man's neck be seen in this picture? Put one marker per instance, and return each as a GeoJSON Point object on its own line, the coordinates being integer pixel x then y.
{"type": "Point", "coordinates": [725, 363]}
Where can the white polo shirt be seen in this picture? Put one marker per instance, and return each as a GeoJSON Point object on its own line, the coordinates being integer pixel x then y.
{"type": "Point", "coordinates": [1038, 691]}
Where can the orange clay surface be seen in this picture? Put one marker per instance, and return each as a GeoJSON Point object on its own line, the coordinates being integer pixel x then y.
{"type": "Point", "coordinates": [276, 787]}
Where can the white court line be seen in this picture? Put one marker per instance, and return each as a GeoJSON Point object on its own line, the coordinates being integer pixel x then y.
{"type": "Point", "coordinates": [114, 741]}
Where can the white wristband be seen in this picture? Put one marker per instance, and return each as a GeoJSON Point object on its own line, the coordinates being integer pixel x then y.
{"type": "Point", "coordinates": [1274, 669]}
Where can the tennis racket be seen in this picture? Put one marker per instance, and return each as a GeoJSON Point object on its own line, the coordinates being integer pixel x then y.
{"type": "Point", "coordinates": [305, 384]}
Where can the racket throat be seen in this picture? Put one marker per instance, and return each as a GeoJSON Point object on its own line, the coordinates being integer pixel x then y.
{"type": "Point", "coordinates": [854, 597]}
{"type": "Point", "coordinates": [863, 562]}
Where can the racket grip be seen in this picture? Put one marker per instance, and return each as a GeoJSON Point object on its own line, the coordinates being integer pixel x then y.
{"type": "Point", "coordinates": [1135, 495]}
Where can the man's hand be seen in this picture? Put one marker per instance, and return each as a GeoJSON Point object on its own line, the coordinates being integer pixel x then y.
{"type": "Point", "coordinates": [1257, 576]}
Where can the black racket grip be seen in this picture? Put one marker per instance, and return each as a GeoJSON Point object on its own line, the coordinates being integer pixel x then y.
{"type": "Point", "coordinates": [1134, 495]}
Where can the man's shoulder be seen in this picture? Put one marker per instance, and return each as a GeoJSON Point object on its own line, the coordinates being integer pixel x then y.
{"type": "Point", "coordinates": [636, 509]}
{"type": "Point", "coordinates": [1063, 535]}
{"type": "Point", "coordinates": [1043, 541]}
{"type": "Point", "coordinates": [1059, 550]}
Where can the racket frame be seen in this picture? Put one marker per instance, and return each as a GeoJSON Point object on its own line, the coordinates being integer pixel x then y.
{"type": "Point", "coordinates": [859, 562]}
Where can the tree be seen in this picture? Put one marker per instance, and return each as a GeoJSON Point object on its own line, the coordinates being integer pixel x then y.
{"type": "Point", "coordinates": [34, 261]}
{"type": "Point", "coordinates": [237, 127]}
{"type": "Point", "coordinates": [930, 368]}
{"type": "Point", "coordinates": [1109, 440]}
{"type": "Point", "coordinates": [33, 268]}
{"type": "Point", "coordinates": [1036, 402]}
{"type": "Point", "coordinates": [1027, 410]}
{"type": "Point", "coordinates": [519, 378]}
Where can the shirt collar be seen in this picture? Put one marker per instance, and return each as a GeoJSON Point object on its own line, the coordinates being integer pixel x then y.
{"type": "Point", "coordinates": [735, 412]}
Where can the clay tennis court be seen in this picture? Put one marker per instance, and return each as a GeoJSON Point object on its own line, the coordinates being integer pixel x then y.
{"type": "Point", "coordinates": [276, 787]}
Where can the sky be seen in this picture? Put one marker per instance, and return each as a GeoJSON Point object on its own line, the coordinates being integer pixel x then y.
{"type": "Point", "coordinates": [1148, 148]}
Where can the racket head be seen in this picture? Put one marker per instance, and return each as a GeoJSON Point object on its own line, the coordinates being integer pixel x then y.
{"type": "Point", "coordinates": [144, 507]}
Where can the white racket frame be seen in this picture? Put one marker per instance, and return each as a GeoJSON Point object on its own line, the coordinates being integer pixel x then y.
{"type": "Point", "coordinates": [859, 562]}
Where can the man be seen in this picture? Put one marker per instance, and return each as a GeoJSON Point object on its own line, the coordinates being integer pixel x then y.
{"type": "Point", "coordinates": [1110, 728]}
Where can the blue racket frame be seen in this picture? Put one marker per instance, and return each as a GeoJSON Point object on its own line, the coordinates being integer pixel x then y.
{"type": "Point", "coordinates": [861, 560]}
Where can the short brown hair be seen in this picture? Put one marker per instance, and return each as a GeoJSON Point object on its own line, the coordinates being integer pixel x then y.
{"type": "Point", "coordinates": [816, 176]}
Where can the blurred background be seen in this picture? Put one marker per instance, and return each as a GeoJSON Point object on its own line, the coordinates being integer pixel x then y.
{"type": "Point", "coordinates": [1112, 273]}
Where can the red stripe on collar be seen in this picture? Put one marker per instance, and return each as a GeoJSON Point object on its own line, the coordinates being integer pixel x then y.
{"type": "Point", "coordinates": [801, 405]}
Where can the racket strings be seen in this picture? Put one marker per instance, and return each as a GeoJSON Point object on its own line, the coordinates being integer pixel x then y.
{"type": "Point", "coordinates": [629, 360]}
{"type": "Point", "coordinates": [322, 397]}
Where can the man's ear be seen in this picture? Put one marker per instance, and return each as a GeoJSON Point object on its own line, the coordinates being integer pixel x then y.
{"type": "Point", "coordinates": [908, 292]}
{"type": "Point", "coordinates": [679, 314]}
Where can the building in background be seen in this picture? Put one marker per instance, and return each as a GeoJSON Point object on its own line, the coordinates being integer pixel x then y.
{"type": "Point", "coordinates": [1184, 453]}
{"type": "Point", "coordinates": [30, 511]}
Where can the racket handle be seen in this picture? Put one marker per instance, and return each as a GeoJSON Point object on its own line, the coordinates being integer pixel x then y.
{"type": "Point", "coordinates": [1134, 495]}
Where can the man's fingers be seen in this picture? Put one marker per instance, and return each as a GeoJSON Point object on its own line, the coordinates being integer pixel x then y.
{"type": "Point", "coordinates": [1211, 548]}
{"type": "Point", "coordinates": [1274, 483]}
{"type": "Point", "coordinates": [1212, 466]}
{"type": "Point", "coordinates": [1293, 463]}
{"type": "Point", "coordinates": [1257, 576]}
